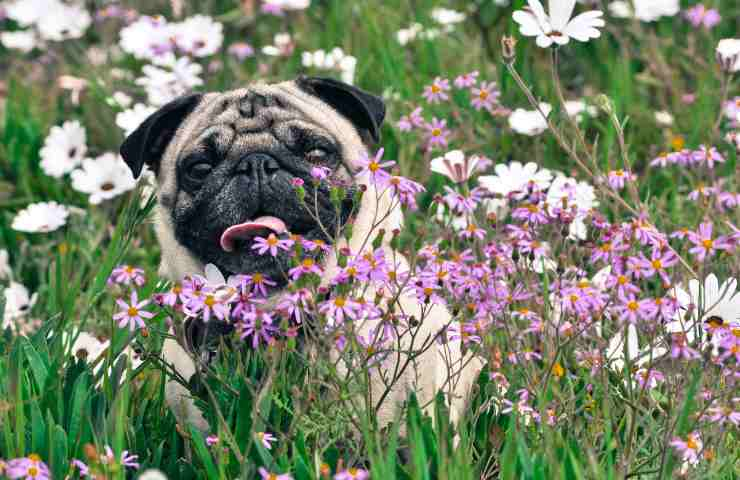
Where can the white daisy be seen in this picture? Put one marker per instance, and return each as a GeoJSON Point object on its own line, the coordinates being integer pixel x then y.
{"type": "Point", "coordinates": [652, 10]}
{"type": "Point", "coordinates": [663, 118]}
{"type": "Point", "coordinates": [18, 304]}
{"type": "Point", "coordinates": [579, 108]}
{"type": "Point", "coordinates": [288, 4]}
{"type": "Point", "coordinates": [557, 27]}
{"type": "Point", "coordinates": [64, 21]}
{"type": "Point", "coordinates": [23, 40]}
{"type": "Point", "coordinates": [147, 37]}
{"type": "Point", "coordinates": [728, 54]}
{"type": "Point", "coordinates": [169, 78]}
{"type": "Point", "coordinates": [577, 197]}
{"type": "Point", "coordinates": [447, 17]}
{"type": "Point", "coordinates": [455, 165]}
{"type": "Point", "coordinates": [103, 178]}
{"type": "Point", "coordinates": [87, 346]}
{"type": "Point", "coordinates": [5, 271]}
{"type": "Point", "coordinates": [283, 46]}
{"type": "Point", "coordinates": [514, 179]}
{"type": "Point", "coordinates": [620, 9]}
{"type": "Point", "coordinates": [28, 12]}
{"type": "Point", "coordinates": [64, 148]}
{"type": "Point", "coordinates": [529, 122]}
{"type": "Point", "coordinates": [120, 99]}
{"type": "Point", "coordinates": [40, 217]}
{"type": "Point", "coordinates": [199, 36]}
{"type": "Point", "coordinates": [129, 120]}
{"type": "Point", "coordinates": [406, 35]}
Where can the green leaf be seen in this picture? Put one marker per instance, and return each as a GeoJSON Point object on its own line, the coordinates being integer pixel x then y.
{"type": "Point", "coordinates": [203, 454]}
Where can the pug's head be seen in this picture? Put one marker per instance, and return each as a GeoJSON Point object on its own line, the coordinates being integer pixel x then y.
{"type": "Point", "coordinates": [227, 164]}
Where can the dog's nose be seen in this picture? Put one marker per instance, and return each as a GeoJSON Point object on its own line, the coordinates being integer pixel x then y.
{"type": "Point", "coordinates": [258, 163]}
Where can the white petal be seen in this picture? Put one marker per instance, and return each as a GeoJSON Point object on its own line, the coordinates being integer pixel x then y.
{"type": "Point", "coordinates": [528, 24]}
{"type": "Point", "coordinates": [560, 12]}
{"type": "Point", "coordinates": [544, 41]}
{"type": "Point", "coordinates": [539, 12]}
{"type": "Point", "coordinates": [584, 26]}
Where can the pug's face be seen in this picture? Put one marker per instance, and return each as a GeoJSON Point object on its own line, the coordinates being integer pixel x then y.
{"type": "Point", "coordinates": [227, 165]}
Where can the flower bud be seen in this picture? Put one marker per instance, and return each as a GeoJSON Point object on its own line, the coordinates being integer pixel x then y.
{"type": "Point", "coordinates": [604, 103]}
{"type": "Point", "coordinates": [508, 49]}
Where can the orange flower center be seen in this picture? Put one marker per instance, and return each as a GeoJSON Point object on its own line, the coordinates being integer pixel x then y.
{"type": "Point", "coordinates": [657, 264]}
{"type": "Point", "coordinates": [132, 311]}
{"type": "Point", "coordinates": [707, 243]}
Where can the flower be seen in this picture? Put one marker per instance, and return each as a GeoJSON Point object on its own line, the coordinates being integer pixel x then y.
{"type": "Point", "coordinates": [152, 474]}
{"type": "Point", "coordinates": [437, 91]}
{"type": "Point", "coordinates": [23, 40]}
{"type": "Point", "coordinates": [18, 304]}
{"type": "Point", "coordinates": [266, 439]}
{"type": "Point", "coordinates": [352, 474]}
{"type": "Point", "coordinates": [445, 16]}
{"type": "Point", "coordinates": [373, 167]}
{"type": "Point", "coordinates": [103, 178]}
{"type": "Point", "coordinates": [579, 108]}
{"type": "Point", "coordinates": [516, 180]}
{"type": "Point", "coordinates": [617, 178]}
{"type": "Point", "coordinates": [28, 468]}
{"type": "Point", "coordinates": [64, 148]}
{"type": "Point", "coordinates": [199, 36]}
{"type": "Point", "coordinates": [42, 217]}
{"type": "Point", "coordinates": [455, 165]}
{"type": "Point", "coordinates": [169, 77]}
{"type": "Point", "coordinates": [484, 96]}
{"type": "Point", "coordinates": [437, 133]}
{"type": "Point", "coordinates": [283, 47]}
{"type": "Point", "coordinates": [126, 275]}
{"type": "Point", "coordinates": [338, 308]}
{"type": "Point", "coordinates": [699, 15]}
{"type": "Point", "coordinates": [257, 324]}
{"type": "Point", "coordinates": [467, 80]}
{"type": "Point", "coordinates": [132, 314]}
{"type": "Point", "coordinates": [557, 27]}
{"type": "Point", "coordinates": [530, 122]}
{"type": "Point", "coordinates": [728, 54]}
{"type": "Point", "coordinates": [689, 448]}
{"type": "Point", "coordinates": [717, 304]}
{"type": "Point", "coordinates": [129, 120]}
{"type": "Point", "coordinates": [266, 475]}
{"type": "Point", "coordinates": [652, 10]}
{"type": "Point", "coordinates": [81, 466]}
{"type": "Point", "coordinates": [108, 458]}
{"type": "Point", "coordinates": [212, 440]}
{"type": "Point", "coordinates": [335, 60]}
{"type": "Point", "coordinates": [241, 50]}
{"type": "Point", "coordinates": [5, 271]}
{"type": "Point", "coordinates": [704, 244]}
{"type": "Point", "coordinates": [276, 7]}
{"type": "Point", "coordinates": [663, 118]}
{"type": "Point", "coordinates": [60, 21]}
{"type": "Point", "coordinates": [271, 244]}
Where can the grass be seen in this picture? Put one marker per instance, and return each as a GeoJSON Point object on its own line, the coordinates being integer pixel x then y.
{"type": "Point", "coordinates": [58, 406]}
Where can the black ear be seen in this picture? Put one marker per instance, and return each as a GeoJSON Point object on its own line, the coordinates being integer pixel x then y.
{"type": "Point", "coordinates": [147, 143]}
{"type": "Point", "coordinates": [363, 109]}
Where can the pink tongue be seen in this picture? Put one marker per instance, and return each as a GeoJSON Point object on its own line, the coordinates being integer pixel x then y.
{"type": "Point", "coordinates": [251, 229]}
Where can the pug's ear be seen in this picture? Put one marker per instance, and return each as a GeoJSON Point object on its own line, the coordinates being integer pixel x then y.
{"type": "Point", "coordinates": [147, 143]}
{"type": "Point", "coordinates": [365, 110]}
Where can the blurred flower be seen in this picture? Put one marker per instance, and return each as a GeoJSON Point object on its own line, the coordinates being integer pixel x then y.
{"type": "Point", "coordinates": [467, 80]}
{"type": "Point", "coordinates": [26, 468]}
{"type": "Point", "coordinates": [617, 178]}
{"type": "Point", "coordinates": [132, 314]}
{"type": "Point", "coordinates": [241, 50]}
{"type": "Point", "coordinates": [5, 271]}
{"type": "Point", "coordinates": [75, 85]}
{"type": "Point", "coordinates": [126, 460]}
{"type": "Point", "coordinates": [652, 10]}
{"type": "Point", "coordinates": [663, 118]}
{"type": "Point", "coordinates": [577, 109]}
{"type": "Point", "coordinates": [437, 91]}
{"type": "Point", "coordinates": [689, 448]}
{"type": "Point", "coordinates": [62, 21]}
{"type": "Point", "coordinates": [150, 37]}
{"type": "Point", "coordinates": [64, 148]}
{"type": "Point", "coordinates": [199, 36]}
{"type": "Point", "coordinates": [557, 27]}
{"type": "Point", "coordinates": [485, 96]}
{"type": "Point", "coordinates": [516, 179]}
{"type": "Point", "coordinates": [152, 474]}
{"type": "Point", "coordinates": [23, 40]}
{"type": "Point", "coordinates": [127, 275]}
{"type": "Point", "coordinates": [81, 466]}
{"type": "Point", "coordinates": [42, 217]}
{"type": "Point", "coordinates": [447, 17]}
{"type": "Point", "coordinates": [699, 15]}
{"type": "Point", "coordinates": [120, 99]}
{"type": "Point", "coordinates": [335, 59]}
{"type": "Point", "coordinates": [352, 474]}
{"type": "Point", "coordinates": [129, 120]}
{"type": "Point", "coordinates": [266, 439]}
{"type": "Point", "coordinates": [728, 54]}
{"type": "Point", "coordinates": [277, 7]}
{"type": "Point", "coordinates": [212, 440]}
{"type": "Point", "coordinates": [18, 303]}
{"type": "Point", "coordinates": [266, 475]}
{"type": "Point", "coordinates": [169, 77]}
{"type": "Point", "coordinates": [103, 178]}
{"type": "Point", "coordinates": [648, 378]}
{"type": "Point", "coordinates": [455, 165]}
{"type": "Point", "coordinates": [620, 9]}
{"type": "Point", "coordinates": [283, 46]}
{"type": "Point", "coordinates": [704, 244]}
{"type": "Point", "coordinates": [571, 195]}
{"type": "Point", "coordinates": [530, 122]}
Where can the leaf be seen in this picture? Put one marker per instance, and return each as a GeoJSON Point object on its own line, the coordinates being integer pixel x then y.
{"type": "Point", "coordinates": [203, 454]}
{"type": "Point", "coordinates": [36, 363]}
{"type": "Point", "coordinates": [79, 408]}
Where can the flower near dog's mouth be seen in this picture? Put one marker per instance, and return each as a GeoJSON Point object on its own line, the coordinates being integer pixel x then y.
{"type": "Point", "coordinates": [251, 229]}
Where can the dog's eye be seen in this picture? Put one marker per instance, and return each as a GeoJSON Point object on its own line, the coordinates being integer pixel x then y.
{"type": "Point", "coordinates": [199, 171]}
{"type": "Point", "coordinates": [317, 155]}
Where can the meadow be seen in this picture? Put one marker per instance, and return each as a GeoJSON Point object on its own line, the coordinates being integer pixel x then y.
{"type": "Point", "coordinates": [569, 194]}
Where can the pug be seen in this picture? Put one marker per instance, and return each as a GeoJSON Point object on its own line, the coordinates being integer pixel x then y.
{"type": "Point", "coordinates": [226, 165]}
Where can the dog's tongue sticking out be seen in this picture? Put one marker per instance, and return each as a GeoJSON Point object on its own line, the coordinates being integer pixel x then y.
{"type": "Point", "coordinates": [250, 229]}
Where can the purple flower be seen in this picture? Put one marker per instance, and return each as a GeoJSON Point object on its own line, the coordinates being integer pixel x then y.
{"type": "Point", "coordinates": [680, 347]}
{"type": "Point", "coordinates": [266, 475]}
{"type": "Point", "coordinates": [709, 155]}
{"type": "Point", "coordinates": [617, 179]}
{"type": "Point", "coordinates": [699, 16]}
{"type": "Point", "coordinates": [530, 213]}
{"type": "Point", "coordinates": [320, 173]}
{"type": "Point", "coordinates": [374, 167]}
{"type": "Point", "coordinates": [126, 460]}
{"type": "Point", "coordinates": [266, 439]}
{"type": "Point", "coordinates": [467, 80]}
{"type": "Point", "coordinates": [132, 314]}
{"type": "Point", "coordinates": [258, 325]}
{"type": "Point", "coordinates": [27, 468]}
{"type": "Point", "coordinates": [704, 244]}
{"type": "Point", "coordinates": [78, 464]}
{"type": "Point", "coordinates": [630, 309]}
{"type": "Point", "coordinates": [126, 275]}
{"type": "Point", "coordinates": [338, 308]}
{"type": "Point", "coordinates": [211, 440]}
{"type": "Point", "coordinates": [256, 283]}
{"type": "Point", "coordinates": [405, 190]}
{"type": "Point", "coordinates": [307, 266]}
{"type": "Point", "coordinates": [437, 91]}
{"type": "Point", "coordinates": [271, 244]}
{"type": "Point", "coordinates": [648, 378]}
{"type": "Point", "coordinates": [702, 192]}
{"type": "Point", "coordinates": [437, 133]}
{"type": "Point", "coordinates": [659, 261]}
{"type": "Point", "coordinates": [689, 448]}
{"type": "Point", "coordinates": [484, 96]}
{"type": "Point", "coordinates": [241, 50]}
{"type": "Point", "coordinates": [352, 474]}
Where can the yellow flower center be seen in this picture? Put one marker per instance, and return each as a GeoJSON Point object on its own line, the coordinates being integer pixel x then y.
{"type": "Point", "coordinates": [483, 95]}
{"type": "Point", "coordinates": [678, 142]}
{"type": "Point", "coordinates": [307, 262]}
{"type": "Point", "coordinates": [272, 240]}
{"type": "Point", "coordinates": [33, 472]}
{"type": "Point", "coordinates": [374, 166]}
{"type": "Point", "coordinates": [436, 132]}
{"type": "Point", "coordinates": [632, 305]}
{"type": "Point", "coordinates": [435, 88]}
{"type": "Point", "coordinates": [691, 443]}
{"type": "Point", "coordinates": [132, 311]}
{"type": "Point", "coordinates": [657, 264]}
{"type": "Point", "coordinates": [34, 457]}
{"type": "Point", "coordinates": [707, 243]}
{"type": "Point", "coordinates": [622, 280]}
{"type": "Point", "coordinates": [340, 302]}
{"type": "Point", "coordinates": [619, 173]}
{"type": "Point", "coordinates": [257, 278]}
{"type": "Point", "coordinates": [129, 269]}
{"type": "Point", "coordinates": [210, 301]}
